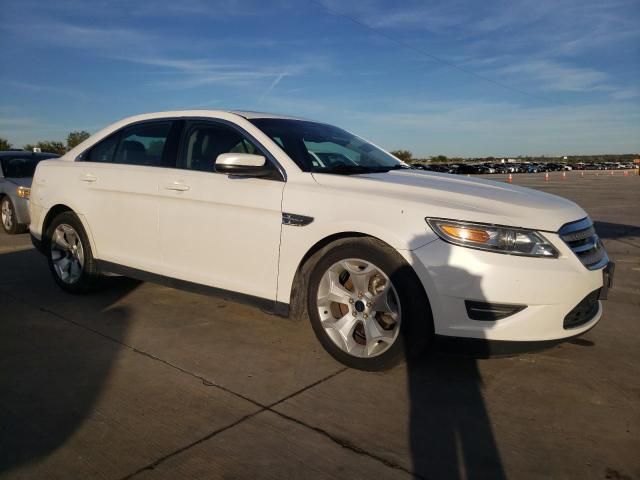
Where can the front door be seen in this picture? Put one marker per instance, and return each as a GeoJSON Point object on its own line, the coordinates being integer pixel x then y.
{"type": "Point", "coordinates": [216, 229]}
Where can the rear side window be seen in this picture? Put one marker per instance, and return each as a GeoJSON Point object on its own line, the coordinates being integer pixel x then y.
{"type": "Point", "coordinates": [143, 144]}
{"type": "Point", "coordinates": [204, 142]}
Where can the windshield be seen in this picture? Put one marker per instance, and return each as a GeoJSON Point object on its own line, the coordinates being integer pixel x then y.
{"type": "Point", "coordinates": [20, 167]}
{"type": "Point", "coordinates": [317, 147]}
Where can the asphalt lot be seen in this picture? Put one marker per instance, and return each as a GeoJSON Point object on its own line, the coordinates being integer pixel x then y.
{"type": "Point", "coordinates": [142, 381]}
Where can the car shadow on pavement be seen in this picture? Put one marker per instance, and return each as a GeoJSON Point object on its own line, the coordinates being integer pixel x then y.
{"type": "Point", "coordinates": [450, 429]}
{"type": "Point", "coordinates": [52, 369]}
{"type": "Point", "coordinates": [616, 231]}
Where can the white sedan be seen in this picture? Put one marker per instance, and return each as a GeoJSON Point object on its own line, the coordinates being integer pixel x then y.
{"type": "Point", "coordinates": [302, 217]}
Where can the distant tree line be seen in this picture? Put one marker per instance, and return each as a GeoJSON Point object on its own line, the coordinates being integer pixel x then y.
{"type": "Point", "coordinates": [51, 146]}
{"type": "Point", "coordinates": [407, 156]}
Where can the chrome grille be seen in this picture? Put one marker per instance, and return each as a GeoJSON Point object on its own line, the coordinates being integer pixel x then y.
{"type": "Point", "coordinates": [582, 239]}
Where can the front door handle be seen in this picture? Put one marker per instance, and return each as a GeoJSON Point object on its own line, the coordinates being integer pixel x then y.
{"type": "Point", "coordinates": [177, 186]}
{"type": "Point", "coordinates": [88, 178]}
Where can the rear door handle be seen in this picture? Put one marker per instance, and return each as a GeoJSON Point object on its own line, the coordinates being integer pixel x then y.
{"type": "Point", "coordinates": [177, 186]}
{"type": "Point", "coordinates": [88, 178]}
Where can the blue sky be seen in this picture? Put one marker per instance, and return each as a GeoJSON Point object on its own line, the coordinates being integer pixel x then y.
{"type": "Point", "coordinates": [528, 77]}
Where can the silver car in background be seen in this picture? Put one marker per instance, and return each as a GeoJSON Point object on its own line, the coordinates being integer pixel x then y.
{"type": "Point", "coordinates": [16, 173]}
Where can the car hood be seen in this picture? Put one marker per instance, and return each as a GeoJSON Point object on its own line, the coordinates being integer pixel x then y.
{"type": "Point", "coordinates": [462, 198]}
{"type": "Point", "coordinates": [20, 182]}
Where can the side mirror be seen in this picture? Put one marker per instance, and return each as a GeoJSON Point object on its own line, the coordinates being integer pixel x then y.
{"type": "Point", "coordinates": [242, 164]}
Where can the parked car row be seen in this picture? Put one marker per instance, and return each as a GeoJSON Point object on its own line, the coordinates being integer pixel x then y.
{"type": "Point", "coordinates": [524, 167]}
{"type": "Point", "coordinates": [606, 166]}
{"type": "Point", "coordinates": [16, 172]}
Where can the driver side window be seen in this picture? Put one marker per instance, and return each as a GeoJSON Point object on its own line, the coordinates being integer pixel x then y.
{"type": "Point", "coordinates": [205, 141]}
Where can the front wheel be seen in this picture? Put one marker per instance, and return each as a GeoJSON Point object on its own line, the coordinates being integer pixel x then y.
{"type": "Point", "coordinates": [367, 306]}
{"type": "Point", "coordinates": [69, 253]}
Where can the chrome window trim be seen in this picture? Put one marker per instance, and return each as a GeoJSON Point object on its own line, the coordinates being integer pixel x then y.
{"type": "Point", "coordinates": [268, 154]}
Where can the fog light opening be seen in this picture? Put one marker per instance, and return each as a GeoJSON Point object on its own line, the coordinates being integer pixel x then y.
{"type": "Point", "coordinates": [490, 311]}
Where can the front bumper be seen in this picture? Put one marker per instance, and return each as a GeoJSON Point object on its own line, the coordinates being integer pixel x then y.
{"type": "Point", "coordinates": [550, 289]}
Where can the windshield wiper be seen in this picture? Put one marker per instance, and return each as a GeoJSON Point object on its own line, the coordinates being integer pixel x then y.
{"type": "Point", "coordinates": [346, 169]}
{"type": "Point", "coordinates": [398, 167]}
{"type": "Point", "coordinates": [356, 169]}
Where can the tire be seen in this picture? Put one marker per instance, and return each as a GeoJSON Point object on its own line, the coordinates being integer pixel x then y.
{"type": "Point", "coordinates": [402, 321]}
{"type": "Point", "coordinates": [8, 219]}
{"type": "Point", "coordinates": [63, 234]}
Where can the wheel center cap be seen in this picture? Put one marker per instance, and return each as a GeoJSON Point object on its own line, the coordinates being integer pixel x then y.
{"type": "Point", "coordinates": [359, 306]}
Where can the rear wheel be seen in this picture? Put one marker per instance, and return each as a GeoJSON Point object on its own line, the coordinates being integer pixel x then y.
{"type": "Point", "coordinates": [367, 306]}
{"type": "Point", "coordinates": [8, 216]}
{"type": "Point", "coordinates": [70, 258]}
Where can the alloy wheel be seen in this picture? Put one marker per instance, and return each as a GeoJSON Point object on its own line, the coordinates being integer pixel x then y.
{"type": "Point", "coordinates": [7, 214]}
{"type": "Point", "coordinates": [359, 308]}
{"type": "Point", "coordinates": [67, 253]}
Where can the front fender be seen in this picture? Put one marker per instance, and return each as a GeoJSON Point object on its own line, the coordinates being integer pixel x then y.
{"type": "Point", "coordinates": [400, 226]}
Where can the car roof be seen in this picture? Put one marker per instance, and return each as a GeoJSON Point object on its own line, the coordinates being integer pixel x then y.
{"type": "Point", "coordinates": [250, 115]}
{"type": "Point", "coordinates": [151, 116]}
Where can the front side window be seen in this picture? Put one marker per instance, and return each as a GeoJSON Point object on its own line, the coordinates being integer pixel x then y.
{"type": "Point", "coordinates": [317, 147]}
{"type": "Point", "coordinates": [204, 142]}
{"type": "Point", "coordinates": [143, 144]}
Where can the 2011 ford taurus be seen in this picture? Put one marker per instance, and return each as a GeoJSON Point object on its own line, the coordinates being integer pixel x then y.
{"type": "Point", "coordinates": [302, 217]}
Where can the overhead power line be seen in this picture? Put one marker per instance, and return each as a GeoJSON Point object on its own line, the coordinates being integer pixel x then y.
{"type": "Point", "coordinates": [428, 55]}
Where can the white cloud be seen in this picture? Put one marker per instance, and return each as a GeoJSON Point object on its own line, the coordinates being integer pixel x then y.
{"type": "Point", "coordinates": [199, 72]}
{"type": "Point", "coordinates": [41, 89]}
{"type": "Point", "coordinates": [23, 130]}
{"type": "Point", "coordinates": [437, 16]}
{"type": "Point", "coordinates": [550, 75]}
{"type": "Point", "coordinates": [501, 128]}
{"type": "Point", "coordinates": [109, 9]}
{"type": "Point", "coordinates": [95, 39]}
{"type": "Point", "coordinates": [273, 85]}
{"type": "Point", "coordinates": [626, 94]}
{"type": "Point", "coordinates": [17, 122]}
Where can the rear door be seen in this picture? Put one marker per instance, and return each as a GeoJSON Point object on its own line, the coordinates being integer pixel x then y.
{"type": "Point", "coordinates": [118, 180]}
{"type": "Point", "coordinates": [215, 229]}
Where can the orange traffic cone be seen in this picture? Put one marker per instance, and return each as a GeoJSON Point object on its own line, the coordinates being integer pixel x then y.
{"type": "Point", "coordinates": [626, 174]}
{"type": "Point", "coordinates": [564, 175]}
{"type": "Point", "coordinates": [510, 179]}
{"type": "Point", "coordinates": [546, 176]}
{"type": "Point", "coordinates": [612, 173]}
{"type": "Point", "coordinates": [582, 173]}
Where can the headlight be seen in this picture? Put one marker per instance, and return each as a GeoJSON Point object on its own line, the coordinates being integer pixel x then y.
{"type": "Point", "coordinates": [513, 241]}
{"type": "Point", "coordinates": [23, 192]}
